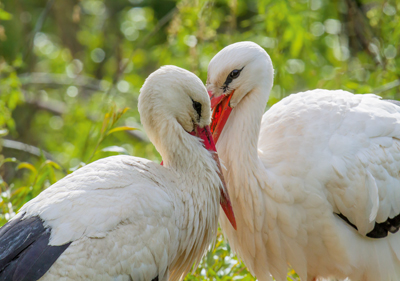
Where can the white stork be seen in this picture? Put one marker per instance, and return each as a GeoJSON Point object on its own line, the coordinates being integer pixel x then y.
{"type": "Point", "coordinates": [128, 218]}
{"type": "Point", "coordinates": [314, 182]}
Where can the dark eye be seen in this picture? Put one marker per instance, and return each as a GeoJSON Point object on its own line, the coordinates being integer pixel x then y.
{"type": "Point", "coordinates": [197, 107]}
{"type": "Point", "coordinates": [235, 73]}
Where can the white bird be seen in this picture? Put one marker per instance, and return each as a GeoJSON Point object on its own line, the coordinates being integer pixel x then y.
{"type": "Point", "coordinates": [314, 182]}
{"type": "Point", "coordinates": [128, 218]}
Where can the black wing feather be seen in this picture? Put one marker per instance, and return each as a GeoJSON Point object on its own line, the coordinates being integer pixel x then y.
{"type": "Point", "coordinates": [380, 230]}
{"type": "Point", "coordinates": [16, 236]}
{"type": "Point", "coordinates": [25, 253]}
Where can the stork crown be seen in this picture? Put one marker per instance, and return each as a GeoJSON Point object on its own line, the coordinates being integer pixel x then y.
{"type": "Point", "coordinates": [240, 67]}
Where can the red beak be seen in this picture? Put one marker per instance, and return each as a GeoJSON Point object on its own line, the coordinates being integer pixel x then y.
{"type": "Point", "coordinates": [221, 112]}
{"type": "Point", "coordinates": [225, 202]}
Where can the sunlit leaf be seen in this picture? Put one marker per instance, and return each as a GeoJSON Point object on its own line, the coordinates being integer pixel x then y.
{"type": "Point", "coordinates": [53, 164]}
{"type": "Point", "coordinates": [124, 110]}
{"type": "Point", "coordinates": [123, 128]}
{"type": "Point", "coordinates": [26, 165]}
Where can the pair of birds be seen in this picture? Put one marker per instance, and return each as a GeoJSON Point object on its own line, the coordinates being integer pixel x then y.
{"type": "Point", "coordinates": [314, 183]}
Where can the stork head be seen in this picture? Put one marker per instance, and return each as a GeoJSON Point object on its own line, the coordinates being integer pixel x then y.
{"type": "Point", "coordinates": [233, 73]}
{"type": "Point", "coordinates": [175, 112]}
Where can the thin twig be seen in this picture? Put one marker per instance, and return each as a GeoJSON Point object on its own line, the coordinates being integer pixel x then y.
{"type": "Point", "coordinates": [387, 87]}
{"type": "Point", "coordinates": [38, 27]}
{"type": "Point", "coordinates": [59, 80]}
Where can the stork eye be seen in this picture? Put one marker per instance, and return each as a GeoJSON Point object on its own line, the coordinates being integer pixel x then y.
{"type": "Point", "coordinates": [197, 107]}
{"type": "Point", "coordinates": [235, 73]}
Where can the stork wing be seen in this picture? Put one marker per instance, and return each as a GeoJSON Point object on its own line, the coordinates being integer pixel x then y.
{"type": "Point", "coordinates": [344, 147]}
{"type": "Point", "coordinates": [365, 159]}
{"type": "Point", "coordinates": [93, 202]}
{"type": "Point", "coordinates": [25, 251]}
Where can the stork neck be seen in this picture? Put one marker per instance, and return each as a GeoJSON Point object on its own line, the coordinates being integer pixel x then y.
{"type": "Point", "coordinates": [198, 191]}
{"type": "Point", "coordinates": [184, 156]}
{"type": "Point", "coordinates": [239, 138]}
{"type": "Point", "coordinates": [184, 153]}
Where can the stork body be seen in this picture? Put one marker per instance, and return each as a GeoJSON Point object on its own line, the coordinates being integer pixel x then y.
{"type": "Point", "coordinates": [314, 182]}
{"type": "Point", "coordinates": [123, 217]}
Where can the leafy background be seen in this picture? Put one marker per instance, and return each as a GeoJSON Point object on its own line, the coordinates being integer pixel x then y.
{"type": "Point", "coordinates": [68, 70]}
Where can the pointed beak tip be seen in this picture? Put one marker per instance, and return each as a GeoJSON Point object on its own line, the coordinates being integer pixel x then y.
{"type": "Point", "coordinates": [227, 207]}
{"type": "Point", "coordinates": [232, 220]}
{"type": "Point", "coordinates": [234, 225]}
{"type": "Point", "coordinates": [231, 217]}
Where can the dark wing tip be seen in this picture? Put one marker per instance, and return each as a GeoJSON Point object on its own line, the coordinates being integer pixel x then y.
{"type": "Point", "coordinates": [381, 229]}
{"type": "Point", "coordinates": [25, 253]}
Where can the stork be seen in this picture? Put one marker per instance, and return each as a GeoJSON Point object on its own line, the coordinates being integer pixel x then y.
{"type": "Point", "coordinates": [314, 182]}
{"type": "Point", "coordinates": [128, 218]}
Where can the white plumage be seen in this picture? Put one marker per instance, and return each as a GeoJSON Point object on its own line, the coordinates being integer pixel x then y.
{"type": "Point", "coordinates": [129, 218]}
{"type": "Point", "coordinates": [291, 172]}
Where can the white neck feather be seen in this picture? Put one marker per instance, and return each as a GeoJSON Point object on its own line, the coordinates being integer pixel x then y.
{"type": "Point", "coordinates": [242, 130]}
{"type": "Point", "coordinates": [238, 148]}
{"type": "Point", "coordinates": [199, 183]}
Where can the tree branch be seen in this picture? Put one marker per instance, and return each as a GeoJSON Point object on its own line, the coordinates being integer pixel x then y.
{"type": "Point", "coordinates": [59, 80]}
{"type": "Point", "coordinates": [12, 144]}
{"type": "Point", "coordinates": [37, 28]}
{"type": "Point", "coordinates": [387, 87]}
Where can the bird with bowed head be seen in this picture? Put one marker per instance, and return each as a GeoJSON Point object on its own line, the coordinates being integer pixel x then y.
{"type": "Point", "coordinates": [128, 218]}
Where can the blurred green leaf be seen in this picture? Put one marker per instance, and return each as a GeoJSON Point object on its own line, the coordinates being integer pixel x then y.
{"type": "Point", "coordinates": [5, 15]}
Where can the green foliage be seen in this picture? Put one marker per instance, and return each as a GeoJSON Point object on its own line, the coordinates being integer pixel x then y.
{"type": "Point", "coordinates": [43, 174]}
{"type": "Point", "coordinates": [219, 264]}
{"type": "Point", "coordinates": [107, 128]}
{"type": "Point", "coordinates": [65, 66]}
{"type": "Point", "coordinates": [11, 94]}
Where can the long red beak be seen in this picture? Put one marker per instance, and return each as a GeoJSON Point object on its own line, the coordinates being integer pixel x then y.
{"type": "Point", "coordinates": [206, 136]}
{"type": "Point", "coordinates": [225, 202]}
{"type": "Point", "coordinates": [221, 112]}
